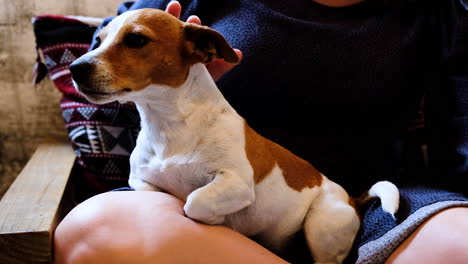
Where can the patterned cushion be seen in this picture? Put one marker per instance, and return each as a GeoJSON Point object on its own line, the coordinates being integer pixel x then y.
{"type": "Point", "coordinates": [102, 136]}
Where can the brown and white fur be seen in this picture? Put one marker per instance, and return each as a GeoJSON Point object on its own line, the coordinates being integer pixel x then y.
{"type": "Point", "coordinates": [195, 146]}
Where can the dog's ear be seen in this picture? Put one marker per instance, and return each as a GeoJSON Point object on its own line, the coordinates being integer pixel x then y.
{"type": "Point", "coordinates": [204, 44]}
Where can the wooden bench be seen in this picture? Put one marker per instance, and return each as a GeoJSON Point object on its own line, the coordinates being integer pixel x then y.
{"type": "Point", "coordinates": [30, 210]}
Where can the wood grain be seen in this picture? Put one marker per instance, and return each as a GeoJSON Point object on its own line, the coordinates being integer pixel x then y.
{"type": "Point", "coordinates": [28, 211]}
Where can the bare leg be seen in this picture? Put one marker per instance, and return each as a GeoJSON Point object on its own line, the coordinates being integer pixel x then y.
{"type": "Point", "coordinates": [148, 227]}
{"type": "Point", "coordinates": [441, 239]}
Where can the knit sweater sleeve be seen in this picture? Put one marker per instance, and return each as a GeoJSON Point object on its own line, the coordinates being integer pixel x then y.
{"type": "Point", "coordinates": [447, 105]}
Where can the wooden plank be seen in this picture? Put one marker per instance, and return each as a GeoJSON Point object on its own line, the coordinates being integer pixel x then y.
{"type": "Point", "coordinates": [28, 211]}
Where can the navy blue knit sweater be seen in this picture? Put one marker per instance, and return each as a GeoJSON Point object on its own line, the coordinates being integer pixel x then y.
{"type": "Point", "coordinates": [339, 86]}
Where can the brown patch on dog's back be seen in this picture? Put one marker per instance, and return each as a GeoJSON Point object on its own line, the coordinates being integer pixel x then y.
{"type": "Point", "coordinates": [263, 154]}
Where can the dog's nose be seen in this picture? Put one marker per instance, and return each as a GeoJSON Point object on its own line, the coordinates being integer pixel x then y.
{"type": "Point", "coordinates": [80, 71]}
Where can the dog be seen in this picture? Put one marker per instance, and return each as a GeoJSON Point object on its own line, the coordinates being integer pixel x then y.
{"type": "Point", "coordinates": [195, 146]}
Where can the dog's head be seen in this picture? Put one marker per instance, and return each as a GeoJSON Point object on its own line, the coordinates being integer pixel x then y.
{"type": "Point", "coordinates": [144, 48]}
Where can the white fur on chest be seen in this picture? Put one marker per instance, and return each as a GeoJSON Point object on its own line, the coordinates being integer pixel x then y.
{"type": "Point", "coordinates": [220, 146]}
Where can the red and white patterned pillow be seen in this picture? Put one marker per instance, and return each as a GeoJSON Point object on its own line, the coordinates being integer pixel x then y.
{"type": "Point", "coordinates": [103, 136]}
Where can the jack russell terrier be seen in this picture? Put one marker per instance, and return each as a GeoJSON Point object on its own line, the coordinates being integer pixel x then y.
{"type": "Point", "coordinates": [195, 146]}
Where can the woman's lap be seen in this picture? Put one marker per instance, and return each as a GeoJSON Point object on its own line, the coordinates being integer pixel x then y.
{"type": "Point", "coordinates": [152, 226]}
{"type": "Point", "coordinates": [145, 227]}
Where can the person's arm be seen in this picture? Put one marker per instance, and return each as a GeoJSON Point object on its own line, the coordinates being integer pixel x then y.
{"type": "Point", "coordinates": [447, 105]}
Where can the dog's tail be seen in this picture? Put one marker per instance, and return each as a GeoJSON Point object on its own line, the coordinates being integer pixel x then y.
{"type": "Point", "coordinates": [388, 194]}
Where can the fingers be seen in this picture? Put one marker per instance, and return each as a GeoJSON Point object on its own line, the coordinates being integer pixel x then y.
{"type": "Point", "coordinates": [218, 67]}
{"type": "Point", "coordinates": [194, 19]}
{"type": "Point", "coordinates": [239, 54]}
{"type": "Point", "coordinates": [174, 8]}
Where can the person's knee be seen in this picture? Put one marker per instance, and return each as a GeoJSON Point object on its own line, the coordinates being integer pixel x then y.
{"type": "Point", "coordinates": [108, 227]}
{"type": "Point", "coordinates": [71, 238]}
{"type": "Point", "coordinates": [448, 232]}
{"type": "Point", "coordinates": [442, 239]}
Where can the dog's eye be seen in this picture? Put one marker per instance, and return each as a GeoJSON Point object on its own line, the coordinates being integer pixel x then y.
{"type": "Point", "coordinates": [135, 41]}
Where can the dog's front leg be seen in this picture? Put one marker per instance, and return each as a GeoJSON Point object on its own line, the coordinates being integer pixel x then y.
{"type": "Point", "coordinates": [139, 178]}
{"type": "Point", "coordinates": [226, 194]}
{"type": "Point", "coordinates": [140, 172]}
{"type": "Point", "coordinates": [141, 185]}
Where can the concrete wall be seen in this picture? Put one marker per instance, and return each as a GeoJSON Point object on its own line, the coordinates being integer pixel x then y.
{"type": "Point", "coordinates": [29, 114]}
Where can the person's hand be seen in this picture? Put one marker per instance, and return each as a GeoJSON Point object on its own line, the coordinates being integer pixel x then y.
{"type": "Point", "coordinates": [217, 67]}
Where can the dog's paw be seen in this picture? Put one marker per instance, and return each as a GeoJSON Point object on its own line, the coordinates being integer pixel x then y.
{"type": "Point", "coordinates": [140, 185]}
{"type": "Point", "coordinates": [201, 210]}
{"type": "Point", "coordinates": [209, 220]}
